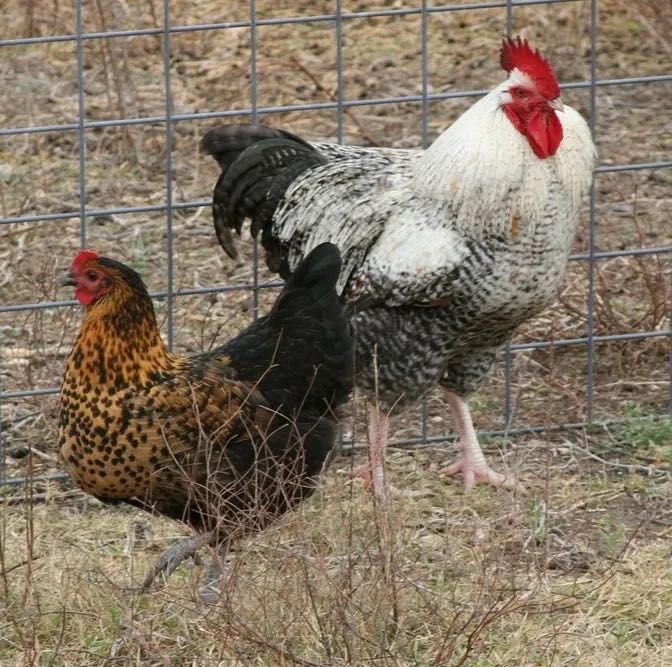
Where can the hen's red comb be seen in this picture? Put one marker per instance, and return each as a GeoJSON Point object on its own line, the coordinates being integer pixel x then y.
{"type": "Point", "coordinates": [518, 54]}
{"type": "Point", "coordinates": [81, 258]}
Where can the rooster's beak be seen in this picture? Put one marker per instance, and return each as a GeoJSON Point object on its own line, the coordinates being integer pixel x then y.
{"type": "Point", "coordinates": [67, 279]}
{"type": "Point", "coordinates": [556, 104]}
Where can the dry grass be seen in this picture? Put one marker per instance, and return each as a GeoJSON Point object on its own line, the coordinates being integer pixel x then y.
{"type": "Point", "coordinates": [574, 575]}
{"type": "Point", "coordinates": [577, 572]}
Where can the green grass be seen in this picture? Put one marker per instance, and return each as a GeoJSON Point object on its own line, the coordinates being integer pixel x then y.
{"type": "Point", "coordinates": [645, 429]}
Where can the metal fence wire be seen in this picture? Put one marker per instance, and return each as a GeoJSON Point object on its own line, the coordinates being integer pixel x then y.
{"type": "Point", "coordinates": [336, 21]}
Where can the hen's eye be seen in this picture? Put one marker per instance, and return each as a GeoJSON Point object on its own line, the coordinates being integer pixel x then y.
{"type": "Point", "coordinates": [521, 92]}
{"type": "Point", "coordinates": [91, 275]}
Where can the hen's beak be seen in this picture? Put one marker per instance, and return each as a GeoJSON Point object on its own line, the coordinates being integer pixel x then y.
{"type": "Point", "coordinates": [67, 280]}
{"type": "Point", "coordinates": [556, 104]}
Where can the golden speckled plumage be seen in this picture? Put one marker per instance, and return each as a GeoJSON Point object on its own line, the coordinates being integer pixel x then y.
{"type": "Point", "coordinates": [199, 439]}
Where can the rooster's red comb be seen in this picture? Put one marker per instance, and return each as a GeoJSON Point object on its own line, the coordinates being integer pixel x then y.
{"type": "Point", "coordinates": [81, 258]}
{"type": "Point", "coordinates": [518, 54]}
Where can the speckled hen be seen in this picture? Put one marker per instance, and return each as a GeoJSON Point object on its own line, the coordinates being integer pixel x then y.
{"type": "Point", "coordinates": [445, 251]}
{"type": "Point", "coordinates": [225, 441]}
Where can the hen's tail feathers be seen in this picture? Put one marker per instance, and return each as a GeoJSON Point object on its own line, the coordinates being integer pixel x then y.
{"type": "Point", "coordinates": [303, 350]}
{"type": "Point", "coordinates": [309, 310]}
{"type": "Point", "coordinates": [258, 164]}
{"type": "Point", "coordinates": [320, 268]}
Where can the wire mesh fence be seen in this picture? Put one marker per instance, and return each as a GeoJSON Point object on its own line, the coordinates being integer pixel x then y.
{"type": "Point", "coordinates": [173, 123]}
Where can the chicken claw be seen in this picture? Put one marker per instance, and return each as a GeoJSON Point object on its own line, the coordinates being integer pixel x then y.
{"type": "Point", "coordinates": [169, 560]}
{"type": "Point", "coordinates": [480, 474]}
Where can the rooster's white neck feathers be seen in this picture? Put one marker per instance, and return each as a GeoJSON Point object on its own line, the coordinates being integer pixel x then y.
{"type": "Point", "coordinates": [482, 161]}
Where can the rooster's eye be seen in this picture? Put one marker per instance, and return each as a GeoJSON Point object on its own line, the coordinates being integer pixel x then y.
{"type": "Point", "coordinates": [91, 275]}
{"type": "Point", "coordinates": [521, 92]}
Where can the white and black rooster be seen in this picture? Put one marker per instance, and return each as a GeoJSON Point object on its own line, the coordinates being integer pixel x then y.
{"type": "Point", "coordinates": [445, 251]}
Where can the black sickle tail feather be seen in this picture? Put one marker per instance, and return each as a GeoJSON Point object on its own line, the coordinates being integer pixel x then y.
{"type": "Point", "coordinates": [306, 340]}
{"type": "Point", "coordinates": [258, 164]}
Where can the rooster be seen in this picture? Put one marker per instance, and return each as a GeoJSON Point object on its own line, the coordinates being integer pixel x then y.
{"type": "Point", "coordinates": [225, 441]}
{"type": "Point", "coordinates": [445, 251]}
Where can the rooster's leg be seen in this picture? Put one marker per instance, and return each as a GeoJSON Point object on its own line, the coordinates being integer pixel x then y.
{"type": "Point", "coordinates": [372, 472]}
{"type": "Point", "coordinates": [170, 559]}
{"type": "Point", "coordinates": [472, 463]}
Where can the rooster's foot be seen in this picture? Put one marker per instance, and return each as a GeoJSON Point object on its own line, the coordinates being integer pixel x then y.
{"type": "Point", "coordinates": [474, 474]}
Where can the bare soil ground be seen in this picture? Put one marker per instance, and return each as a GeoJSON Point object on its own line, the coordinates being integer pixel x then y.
{"type": "Point", "coordinates": [577, 572]}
